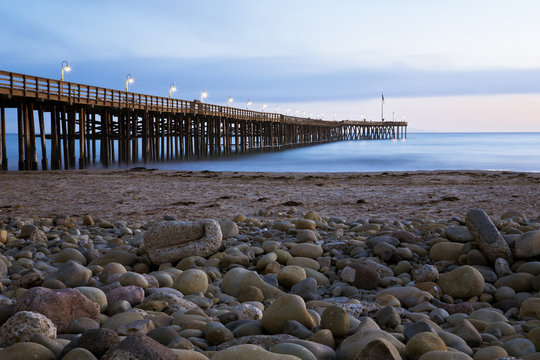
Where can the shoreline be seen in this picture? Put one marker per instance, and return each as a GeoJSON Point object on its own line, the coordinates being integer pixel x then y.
{"type": "Point", "coordinates": [148, 195]}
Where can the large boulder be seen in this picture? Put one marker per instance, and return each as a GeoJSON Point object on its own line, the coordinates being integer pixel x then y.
{"type": "Point", "coordinates": [22, 326]}
{"type": "Point", "coordinates": [171, 241]}
{"type": "Point", "coordinates": [61, 306]}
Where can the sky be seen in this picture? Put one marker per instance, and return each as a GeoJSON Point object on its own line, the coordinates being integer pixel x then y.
{"type": "Point", "coordinates": [443, 66]}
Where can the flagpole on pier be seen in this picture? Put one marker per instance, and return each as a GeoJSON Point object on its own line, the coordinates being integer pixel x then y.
{"type": "Point", "coordinates": [382, 106]}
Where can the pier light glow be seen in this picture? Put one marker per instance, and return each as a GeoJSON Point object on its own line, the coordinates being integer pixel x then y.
{"type": "Point", "coordinates": [172, 88]}
{"type": "Point", "coordinates": [65, 67]}
{"type": "Point", "coordinates": [129, 80]}
{"type": "Point", "coordinates": [334, 116]}
{"type": "Point", "coordinates": [363, 117]}
{"type": "Point", "coordinates": [322, 116]}
{"type": "Point", "coordinates": [287, 111]}
{"type": "Point", "coordinates": [264, 107]}
{"type": "Point", "coordinates": [248, 104]}
{"type": "Point", "coordinates": [204, 95]}
{"type": "Point", "coordinates": [303, 114]}
{"type": "Point", "coordinates": [230, 100]}
{"type": "Point", "coordinates": [349, 116]}
{"type": "Point", "coordinates": [310, 115]}
{"type": "Point", "coordinates": [277, 109]}
{"type": "Point", "coordinates": [295, 112]}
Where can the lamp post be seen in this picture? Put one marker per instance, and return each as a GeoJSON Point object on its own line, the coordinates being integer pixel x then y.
{"type": "Point", "coordinates": [295, 112]}
{"type": "Point", "coordinates": [349, 117]}
{"type": "Point", "coordinates": [229, 101]}
{"type": "Point", "coordinates": [264, 107]}
{"type": "Point", "coordinates": [303, 114]}
{"type": "Point", "coordinates": [287, 111]}
{"type": "Point", "coordinates": [277, 109]}
{"type": "Point", "coordinates": [322, 116]}
{"type": "Point", "coordinates": [363, 117]}
{"type": "Point", "coordinates": [129, 80]}
{"type": "Point", "coordinates": [65, 67]}
{"type": "Point", "coordinates": [248, 103]}
{"type": "Point", "coordinates": [204, 95]}
{"type": "Point", "coordinates": [172, 88]}
{"type": "Point", "coordinates": [334, 116]}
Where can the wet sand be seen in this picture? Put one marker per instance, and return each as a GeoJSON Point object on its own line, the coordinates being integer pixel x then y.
{"type": "Point", "coordinates": [146, 195]}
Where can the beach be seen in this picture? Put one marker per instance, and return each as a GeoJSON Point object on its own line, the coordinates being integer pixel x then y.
{"type": "Point", "coordinates": [146, 195]}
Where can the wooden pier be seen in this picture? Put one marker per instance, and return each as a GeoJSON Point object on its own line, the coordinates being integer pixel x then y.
{"type": "Point", "coordinates": [93, 126]}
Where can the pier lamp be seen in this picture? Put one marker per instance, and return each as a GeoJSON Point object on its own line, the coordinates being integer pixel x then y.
{"type": "Point", "coordinates": [363, 117]}
{"type": "Point", "coordinates": [334, 116]}
{"type": "Point", "coordinates": [310, 115]}
{"type": "Point", "coordinates": [248, 103]}
{"type": "Point", "coordinates": [204, 95]}
{"type": "Point", "coordinates": [287, 111]}
{"type": "Point", "coordinates": [129, 80]}
{"type": "Point", "coordinates": [277, 109]}
{"type": "Point", "coordinates": [229, 101]}
{"type": "Point", "coordinates": [403, 117]}
{"type": "Point", "coordinates": [65, 67]}
{"type": "Point", "coordinates": [349, 116]}
{"type": "Point", "coordinates": [318, 116]}
{"type": "Point", "coordinates": [303, 114]}
{"type": "Point", "coordinates": [172, 88]}
{"type": "Point", "coordinates": [295, 112]}
{"type": "Point", "coordinates": [264, 107]}
{"type": "Point", "coordinates": [322, 116]}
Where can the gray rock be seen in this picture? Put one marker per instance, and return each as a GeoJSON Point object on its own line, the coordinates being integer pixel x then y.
{"type": "Point", "coordinates": [486, 235]}
{"type": "Point", "coordinates": [306, 289]}
{"type": "Point", "coordinates": [170, 241]}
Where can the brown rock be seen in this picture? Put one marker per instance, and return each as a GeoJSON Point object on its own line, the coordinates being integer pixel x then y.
{"type": "Point", "coordinates": [61, 306]}
{"type": "Point", "coordinates": [98, 341]}
{"type": "Point", "coordinates": [144, 347]}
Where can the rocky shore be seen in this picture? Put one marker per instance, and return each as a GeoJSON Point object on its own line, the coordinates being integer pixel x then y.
{"type": "Point", "coordinates": [299, 286]}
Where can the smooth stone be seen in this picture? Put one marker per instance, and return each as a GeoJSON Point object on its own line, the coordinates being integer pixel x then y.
{"type": "Point", "coordinates": [70, 254]}
{"type": "Point", "coordinates": [445, 355]}
{"type": "Point", "coordinates": [531, 267]}
{"type": "Point", "coordinates": [131, 293]}
{"type": "Point", "coordinates": [249, 352]}
{"type": "Point", "coordinates": [163, 335]}
{"type": "Point", "coordinates": [23, 325]}
{"type": "Point", "coordinates": [135, 327]}
{"type": "Point", "coordinates": [519, 347]}
{"type": "Point", "coordinates": [80, 325]}
{"type": "Point", "coordinates": [121, 319]}
{"type": "Point", "coordinates": [306, 289]}
{"type": "Point", "coordinates": [320, 278]}
{"type": "Point", "coordinates": [94, 294]}
{"type": "Point", "coordinates": [534, 336]}
{"type": "Point", "coordinates": [171, 241]}
{"type": "Point", "coordinates": [488, 315]}
{"type": "Point", "coordinates": [321, 352]}
{"type": "Point", "coordinates": [79, 354]}
{"type": "Point", "coordinates": [132, 278]}
{"type": "Point", "coordinates": [353, 345]}
{"type": "Point", "coordinates": [251, 293]}
{"type": "Point", "coordinates": [422, 343]}
{"type": "Point", "coordinates": [304, 262]}
{"type": "Point", "coordinates": [216, 333]}
{"type": "Point", "coordinates": [24, 349]}
{"type": "Point", "coordinates": [72, 274]}
{"type": "Point", "coordinates": [486, 235]}
{"type": "Point", "coordinates": [293, 349]}
{"type": "Point", "coordinates": [308, 250]}
{"type": "Point", "coordinates": [336, 320]}
{"type": "Point", "coordinates": [463, 282]}
{"type": "Point", "coordinates": [361, 276]}
{"type": "Point", "coordinates": [323, 337]}
{"type": "Point", "coordinates": [305, 224]}
{"type": "Point", "coordinates": [418, 327]}
{"type": "Point", "coordinates": [455, 342]}
{"type": "Point", "coordinates": [294, 328]}
{"type": "Point", "coordinates": [287, 307]}
{"type": "Point", "coordinates": [290, 275]}
{"type": "Point", "coordinates": [426, 273]}
{"type": "Point", "coordinates": [236, 280]}
{"type": "Point", "coordinates": [55, 345]}
{"type": "Point", "coordinates": [266, 259]}
{"type": "Point", "coordinates": [192, 281]}
{"type": "Point", "coordinates": [228, 228]}
{"type": "Point", "coordinates": [490, 353]}
{"type": "Point", "coordinates": [465, 330]}
{"type": "Point", "coordinates": [115, 256]}
{"type": "Point", "coordinates": [111, 272]}
{"type": "Point", "coordinates": [182, 354]}
{"type": "Point", "coordinates": [60, 306]}
{"type": "Point", "coordinates": [305, 235]}
{"type": "Point", "coordinates": [142, 347]}
{"type": "Point", "coordinates": [458, 233]}
{"type": "Point", "coordinates": [406, 293]}
{"type": "Point", "coordinates": [388, 317]}
{"type": "Point", "coordinates": [528, 245]}
{"type": "Point", "coordinates": [379, 349]}
{"type": "Point", "coordinates": [520, 282]}
{"type": "Point", "coordinates": [530, 308]}
{"type": "Point", "coordinates": [449, 251]}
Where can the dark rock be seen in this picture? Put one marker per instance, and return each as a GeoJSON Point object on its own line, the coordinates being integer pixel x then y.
{"type": "Point", "coordinates": [366, 277]}
{"type": "Point", "coordinates": [143, 347]}
{"type": "Point", "coordinates": [294, 328]}
{"type": "Point", "coordinates": [163, 335]}
{"type": "Point", "coordinates": [418, 327]}
{"type": "Point", "coordinates": [99, 341]}
{"type": "Point", "coordinates": [306, 289]}
{"type": "Point", "coordinates": [388, 317]}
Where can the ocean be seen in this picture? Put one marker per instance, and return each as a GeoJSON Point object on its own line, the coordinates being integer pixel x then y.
{"type": "Point", "coordinates": [420, 151]}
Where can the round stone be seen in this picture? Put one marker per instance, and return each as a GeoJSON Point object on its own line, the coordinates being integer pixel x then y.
{"type": "Point", "coordinates": [291, 275]}
{"type": "Point", "coordinates": [422, 343]}
{"type": "Point", "coordinates": [293, 349]}
{"type": "Point", "coordinates": [519, 347]}
{"type": "Point", "coordinates": [336, 320]}
{"type": "Point", "coordinates": [25, 349]}
{"type": "Point", "coordinates": [463, 282]}
{"type": "Point", "coordinates": [445, 250]}
{"type": "Point", "coordinates": [426, 273]}
{"type": "Point", "coordinates": [490, 353]}
{"type": "Point", "coordinates": [133, 278]}
{"type": "Point", "coordinates": [21, 326]}
{"type": "Point", "coordinates": [70, 254]}
{"type": "Point", "coordinates": [308, 250]}
{"type": "Point", "coordinates": [192, 281]}
{"type": "Point", "coordinates": [287, 307]}
{"type": "Point", "coordinates": [94, 294]}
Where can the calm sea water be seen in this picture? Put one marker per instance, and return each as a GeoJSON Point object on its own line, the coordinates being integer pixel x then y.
{"type": "Point", "coordinates": [420, 151]}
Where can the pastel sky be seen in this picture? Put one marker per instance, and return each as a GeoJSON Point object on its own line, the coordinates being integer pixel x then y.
{"type": "Point", "coordinates": [447, 66]}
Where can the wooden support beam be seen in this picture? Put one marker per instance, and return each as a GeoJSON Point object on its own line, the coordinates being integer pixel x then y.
{"type": "Point", "coordinates": [44, 161]}
{"type": "Point", "coordinates": [3, 139]}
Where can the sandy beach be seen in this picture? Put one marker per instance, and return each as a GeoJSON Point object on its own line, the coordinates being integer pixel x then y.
{"type": "Point", "coordinates": [146, 195]}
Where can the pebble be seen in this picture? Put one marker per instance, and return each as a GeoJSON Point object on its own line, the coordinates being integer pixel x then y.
{"type": "Point", "coordinates": [320, 287]}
